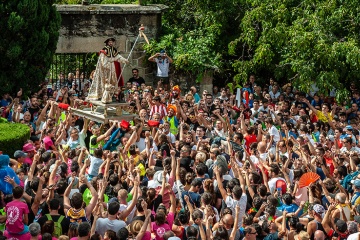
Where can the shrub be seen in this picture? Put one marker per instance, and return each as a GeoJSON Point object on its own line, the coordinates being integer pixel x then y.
{"type": "Point", "coordinates": [12, 137]}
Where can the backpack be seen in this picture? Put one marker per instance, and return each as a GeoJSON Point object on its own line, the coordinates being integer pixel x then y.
{"type": "Point", "coordinates": [57, 225]}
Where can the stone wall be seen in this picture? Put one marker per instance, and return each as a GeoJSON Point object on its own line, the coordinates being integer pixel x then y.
{"type": "Point", "coordinates": [84, 29]}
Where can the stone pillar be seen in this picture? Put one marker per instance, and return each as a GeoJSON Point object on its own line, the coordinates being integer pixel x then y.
{"type": "Point", "coordinates": [207, 81]}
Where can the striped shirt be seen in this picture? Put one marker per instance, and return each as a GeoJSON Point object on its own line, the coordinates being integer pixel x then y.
{"type": "Point", "coordinates": [161, 109]}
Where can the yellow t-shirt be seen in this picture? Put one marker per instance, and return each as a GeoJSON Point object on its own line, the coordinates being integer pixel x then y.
{"type": "Point", "coordinates": [321, 116]}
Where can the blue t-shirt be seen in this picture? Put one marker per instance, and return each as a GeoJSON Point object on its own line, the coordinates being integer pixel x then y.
{"type": "Point", "coordinates": [194, 198]}
{"type": "Point", "coordinates": [320, 172]}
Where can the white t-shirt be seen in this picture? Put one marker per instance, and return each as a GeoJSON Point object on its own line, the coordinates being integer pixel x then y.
{"type": "Point", "coordinates": [354, 236]}
{"type": "Point", "coordinates": [272, 183]}
{"type": "Point", "coordinates": [274, 95]}
{"type": "Point", "coordinates": [95, 164]}
{"type": "Point", "coordinates": [172, 137]}
{"type": "Point", "coordinates": [162, 67]}
{"type": "Point", "coordinates": [232, 203]}
{"type": "Point", "coordinates": [274, 132]}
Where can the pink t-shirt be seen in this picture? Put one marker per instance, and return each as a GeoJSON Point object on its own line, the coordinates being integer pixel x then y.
{"type": "Point", "coordinates": [40, 238]}
{"type": "Point", "coordinates": [160, 230]}
{"type": "Point", "coordinates": [25, 236]}
{"type": "Point", "coordinates": [15, 211]}
{"type": "Point", "coordinates": [147, 236]}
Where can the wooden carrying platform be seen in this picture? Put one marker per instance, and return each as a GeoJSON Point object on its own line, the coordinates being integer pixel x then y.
{"type": "Point", "coordinates": [105, 112]}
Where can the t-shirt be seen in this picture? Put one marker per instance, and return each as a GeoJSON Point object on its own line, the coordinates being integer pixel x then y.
{"type": "Point", "coordinates": [139, 80]}
{"type": "Point", "coordinates": [194, 198]}
{"type": "Point", "coordinates": [162, 67]}
{"type": "Point", "coordinates": [95, 164]}
{"type": "Point", "coordinates": [272, 183]}
{"type": "Point", "coordinates": [232, 203]}
{"type": "Point", "coordinates": [274, 132]}
{"type": "Point", "coordinates": [160, 230]}
{"type": "Point", "coordinates": [15, 211]}
{"type": "Point", "coordinates": [103, 224]}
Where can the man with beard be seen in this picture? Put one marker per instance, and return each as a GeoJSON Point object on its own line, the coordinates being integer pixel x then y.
{"type": "Point", "coordinates": [34, 108]}
{"type": "Point", "coordinates": [172, 119]}
{"type": "Point", "coordinates": [136, 78]}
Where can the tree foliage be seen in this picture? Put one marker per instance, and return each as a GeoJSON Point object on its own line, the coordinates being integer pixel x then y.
{"type": "Point", "coordinates": [196, 34]}
{"type": "Point", "coordinates": [29, 34]}
{"type": "Point", "coordinates": [300, 41]}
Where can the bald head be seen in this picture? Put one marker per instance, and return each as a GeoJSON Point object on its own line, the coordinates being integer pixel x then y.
{"type": "Point", "coordinates": [228, 220]}
{"type": "Point", "coordinates": [261, 147]}
{"type": "Point", "coordinates": [319, 235]}
{"type": "Point", "coordinates": [341, 197]}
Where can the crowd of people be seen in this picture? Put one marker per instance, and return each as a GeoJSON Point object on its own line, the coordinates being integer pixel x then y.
{"type": "Point", "coordinates": [209, 165]}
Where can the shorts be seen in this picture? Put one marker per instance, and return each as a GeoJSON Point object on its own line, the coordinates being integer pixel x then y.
{"type": "Point", "coordinates": [164, 80]}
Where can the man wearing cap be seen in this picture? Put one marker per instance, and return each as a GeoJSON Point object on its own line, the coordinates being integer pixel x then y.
{"type": "Point", "coordinates": [20, 157]}
{"type": "Point", "coordinates": [163, 62]}
{"type": "Point", "coordinates": [316, 212]}
{"type": "Point", "coordinates": [29, 149]}
{"type": "Point", "coordinates": [108, 67]}
{"type": "Point", "coordinates": [355, 200]}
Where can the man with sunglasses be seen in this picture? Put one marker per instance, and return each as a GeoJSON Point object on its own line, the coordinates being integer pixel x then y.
{"type": "Point", "coordinates": [250, 233]}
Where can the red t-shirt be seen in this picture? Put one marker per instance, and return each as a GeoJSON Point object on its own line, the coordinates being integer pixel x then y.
{"type": "Point", "coordinates": [249, 140]}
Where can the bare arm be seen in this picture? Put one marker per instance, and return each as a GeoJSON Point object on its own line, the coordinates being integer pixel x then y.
{"type": "Point", "coordinates": [128, 210]}
{"type": "Point", "coordinates": [37, 199]}
{"type": "Point", "coordinates": [219, 182]}
{"type": "Point", "coordinates": [93, 200]}
{"type": "Point", "coordinates": [236, 222]}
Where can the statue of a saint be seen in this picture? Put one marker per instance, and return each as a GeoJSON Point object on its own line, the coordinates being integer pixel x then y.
{"type": "Point", "coordinates": [107, 71]}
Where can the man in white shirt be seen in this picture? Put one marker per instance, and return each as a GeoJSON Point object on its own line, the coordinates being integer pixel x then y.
{"type": "Point", "coordinates": [78, 138]}
{"type": "Point", "coordinates": [163, 62]}
{"type": "Point", "coordinates": [347, 146]}
{"type": "Point", "coordinates": [274, 174]}
{"type": "Point", "coordinates": [265, 106]}
{"type": "Point", "coordinates": [273, 131]}
{"type": "Point", "coordinates": [236, 197]}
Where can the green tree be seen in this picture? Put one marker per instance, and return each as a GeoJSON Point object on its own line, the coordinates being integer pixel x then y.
{"type": "Point", "coordinates": [300, 41]}
{"type": "Point", "coordinates": [196, 33]}
{"type": "Point", "coordinates": [29, 35]}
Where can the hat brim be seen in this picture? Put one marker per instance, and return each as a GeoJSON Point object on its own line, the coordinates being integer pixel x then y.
{"type": "Point", "coordinates": [110, 39]}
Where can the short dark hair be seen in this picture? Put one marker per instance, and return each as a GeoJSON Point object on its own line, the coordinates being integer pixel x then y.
{"type": "Point", "coordinates": [237, 191]}
{"type": "Point", "coordinates": [98, 152]}
{"type": "Point", "coordinates": [122, 234]}
{"type": "Point", "coordinates": [54, 204]}
{"type": "Point", "coordinates": [18, 192]}
{"type": "Point", "coordinates": [196, 182]}
{"type": "Point", "coordinates": [113, 208]}
{"type": "Point", "coordinates": [135, 69]}
{"type": "Point", "coordinates": [191, 231]}
{"type": "Point", "coordinates": [84, 229]}
{"type": "Point", "coordinates": [275, 168]}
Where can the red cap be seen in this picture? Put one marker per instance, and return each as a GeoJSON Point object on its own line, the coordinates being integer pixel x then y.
{"type": "Point", "coordinates": [64, 106]}
{"type": "Point", "coordinates": [124, 124]}
{"type": "Point", "coordinates": [152, 123]}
